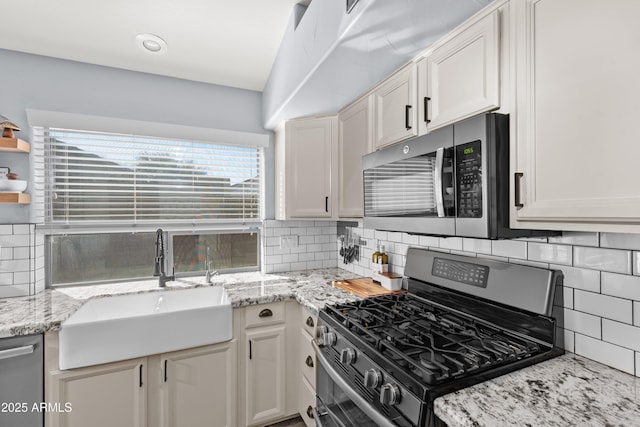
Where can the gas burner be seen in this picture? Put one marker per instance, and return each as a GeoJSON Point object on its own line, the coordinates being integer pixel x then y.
{"type": "Point", "coordinates": [431, 360]}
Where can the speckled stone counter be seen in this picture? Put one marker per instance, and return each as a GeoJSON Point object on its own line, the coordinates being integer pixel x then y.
{"type": "Point", "coordinates": [47, 310]}
{"type": "Point", "coordinates": [565, 391]}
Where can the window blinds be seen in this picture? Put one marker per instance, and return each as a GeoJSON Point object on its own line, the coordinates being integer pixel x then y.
{"type": "Point", "coordinates": [91, 177]}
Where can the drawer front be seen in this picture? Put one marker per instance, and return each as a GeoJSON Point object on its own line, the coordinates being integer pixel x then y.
{"type": "Point", "coordinates": [307, 403]}
{"type": "Point", "coordinates": [264, 314]}
{"type": "Point", "coordinates": [309, 321]}
{"type": "Point", "coordinates": [308, 360]}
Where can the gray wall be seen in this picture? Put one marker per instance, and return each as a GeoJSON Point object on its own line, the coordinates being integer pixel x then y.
{"type": "Point", "coordinates": [38, 82]}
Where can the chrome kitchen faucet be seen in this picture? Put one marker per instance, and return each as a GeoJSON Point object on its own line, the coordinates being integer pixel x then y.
{"type": "Point", "coordinates": [160, 261]}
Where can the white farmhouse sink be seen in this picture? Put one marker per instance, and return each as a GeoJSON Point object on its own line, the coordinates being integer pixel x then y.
{"type": "Point", "coordinates": [127, 326]}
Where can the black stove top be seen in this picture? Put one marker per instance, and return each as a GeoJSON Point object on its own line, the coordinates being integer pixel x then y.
{"type": "Point", "coordinates": [431, 343]}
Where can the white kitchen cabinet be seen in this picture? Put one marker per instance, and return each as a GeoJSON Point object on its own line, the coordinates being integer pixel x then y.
{"type": "Point", "coordinates": [354, 141]}
{"type": "Point", "coordinates": [395, 112]}
{"type": "Point", "coordinates": [199, 387]}
{"type": "Point", "coordinates": [267, 393]}
{"type": "Point", "coordinates": [306, 168]}
{"type": "Point", "coordinates": [192, 387]}
{"type": "Point", "coordinates": [308, 365]}
{"type": "Point", "coordinates": [113, 394]}
{"type": "Point", "coordinates": [460, 78]}
{"type": "Point", "coordinates": [574, 137]}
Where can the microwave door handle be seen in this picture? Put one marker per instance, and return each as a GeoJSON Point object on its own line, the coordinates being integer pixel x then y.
{"type": "Point", "coordinates": [438, 181]}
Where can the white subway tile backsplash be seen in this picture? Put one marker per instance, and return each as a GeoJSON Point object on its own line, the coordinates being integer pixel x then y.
{"type": "Point", "coordinates": [621, 285]}
{"type": "Point", "coordinates": [322, 238]}
{"type": "Point", "coordinates": [22, 278]}
{"type": "Point", "coordinates": [636, 313]}
{"type": "Point", "coordinates": [579, 278]}
{"type": "Point", "coordinates": [6, 229]}
{"type": "Point", "coordinates": [410, 239]}
{"type": "Point", "coordinates": [290, 258]}
{"type": "Point", "coordinates": [610, 354]}
{"type": "Point", "coordinates": [22, 229]}
{"type": "Point", "coordinates": [620, 241]}
{"type": "Point", "coordinates": [452, 243]}
{"type": "Point", "coordinates": [9, 291]}
{"type": "Point", "coordinates": [6, 253]}
{"type": "Point", "coordinates": [15, 265]}
{"type": "Point", "coordinates": [380, 235]}
{"type": "Point", "coordinates": [567, 340]}
{"type": "Point", "coordinates": [15, 240]}
{"type": "Point", "coordinates": [477, 246]}
{"type": "Point", "coordinates": [393, 236]}
{"type": "Point", "coordinates": [429, 241]}
{"type": "Point", "coordinates": [305, 240]}
{"type": "Point", "coordinates": [546, 252]}
{"type": "Point", "coordinates": [638, 364]}
{"type": "Point", "coordinates": [509, 248]}
{"type": "Point", "coordinates": [614, 260]}
{"type": "Point", "coordinates": [529, 263]}
{"type": "Point", "coordinates": [583, 323]}
{"type": "Point", "coordinates": [636, 263]}
{"type": "Point", "coordinates": [621, 334]}
{"type": "Point", "coordinates": [6, 279]}
{"type": "Point", "coordinates": [575, 238]}
{"type": "Point", "coordinates": [603, 305]}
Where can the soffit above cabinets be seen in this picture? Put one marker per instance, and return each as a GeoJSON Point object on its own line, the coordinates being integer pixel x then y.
{"type": "Point", "coordinates": [331, 57]}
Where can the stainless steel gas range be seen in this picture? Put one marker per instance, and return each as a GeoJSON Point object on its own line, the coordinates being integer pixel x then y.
{"type": "Point", "coordinates": [384, 360]}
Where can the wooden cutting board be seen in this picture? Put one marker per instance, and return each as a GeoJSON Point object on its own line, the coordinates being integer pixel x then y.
{"type": "Point", "coordinates": [364, 287]}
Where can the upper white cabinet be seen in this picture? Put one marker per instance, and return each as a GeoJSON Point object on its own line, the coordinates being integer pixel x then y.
{"type": "Point", "coordinates": [354, 141]}
{"type": "Point", "coordinates": [461, 77]}
{"type": "Point", "coordinates": [575, 136]}
{"type": "Point", "coordinates": [395, 109]}
{"type": "Point", "coordinates": [306, 155]}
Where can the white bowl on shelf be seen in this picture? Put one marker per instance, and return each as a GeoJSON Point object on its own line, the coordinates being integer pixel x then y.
{"type": "Point", "coordinates": [12, 185]}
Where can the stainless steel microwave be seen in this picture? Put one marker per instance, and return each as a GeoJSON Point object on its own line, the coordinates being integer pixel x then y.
{"type": "Point", "coordinates": [453, 181]}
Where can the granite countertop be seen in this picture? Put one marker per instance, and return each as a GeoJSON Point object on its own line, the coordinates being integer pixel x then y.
{"type": "Point", "coordinates": [569, 390]}
{"type": "Point", "coordinates": [47, 310]}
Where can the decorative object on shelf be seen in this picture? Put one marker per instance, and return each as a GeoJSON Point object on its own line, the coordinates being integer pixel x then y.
{"type": "Point", "coordinates": [7, 127]}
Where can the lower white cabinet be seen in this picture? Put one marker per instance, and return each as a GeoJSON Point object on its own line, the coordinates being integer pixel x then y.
{"type": "Point", "coordinates": [308, 365]}
{"type": "Point", "coordinates": [193, 387]}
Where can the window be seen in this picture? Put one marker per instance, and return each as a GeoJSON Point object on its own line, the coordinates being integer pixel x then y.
{"type": "Point", "coordinates": [104, 195]}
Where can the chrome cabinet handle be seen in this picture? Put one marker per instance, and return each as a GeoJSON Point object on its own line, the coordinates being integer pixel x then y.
{"type": "Point", "coordinates": [265, 313]}
{"type": "Point", "coordinates": [310, 322]}
{"type": "Point", "coordinates": [309, 361]}
{"type": "Point", "coordinates": [407, 110]}
{"type": "Point", "coordinates": [426, 109]}
{"type": "Point", "coordinates": [517, 178]}
{"type": "Point", "coordinates": [15, 352]}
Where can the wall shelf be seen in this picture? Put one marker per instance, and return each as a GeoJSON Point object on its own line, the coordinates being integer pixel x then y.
{"type": "Point", "coordinates": [14, 145]}
{"type": "Point", "coordinates": [19, 198]}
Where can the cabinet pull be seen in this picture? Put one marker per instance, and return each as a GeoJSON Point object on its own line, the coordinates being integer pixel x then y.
{"type": "Point", "coordinates": [165, 370]}
{"type": "Point", "coordinates": [326, 204]}
{"type": "Point", "coordinates": [407, 110]}
{"type": "Point", "coordinates": [516, 185]}
{"type": "Point", "coordinates": [265, 313]}
{"type": "Point", "coordinates": [310, 322]}
{"type": "Point", "coordinates": [310, 411]}
{"type": "Point", "coordinates": [426, 109]}
{"type": "Point", "coordinates": [309, 362]}
{"type": "Point", "coordinates": [140, 376]}
{"type": "Point", "coordinates": [249, 349]}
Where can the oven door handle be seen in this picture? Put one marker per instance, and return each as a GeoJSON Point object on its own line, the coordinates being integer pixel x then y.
{"type": "Point", "coordinates": [437, 178]}
{"type": "Point", "coordinates": [369, 410]}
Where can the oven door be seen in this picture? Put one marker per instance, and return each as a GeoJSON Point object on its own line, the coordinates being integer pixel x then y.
{"type": "Point", "coordinates": [338, 404]}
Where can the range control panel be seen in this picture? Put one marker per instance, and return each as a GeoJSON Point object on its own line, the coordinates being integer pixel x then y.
{"type": "Point", "coordinates": [463, 272]}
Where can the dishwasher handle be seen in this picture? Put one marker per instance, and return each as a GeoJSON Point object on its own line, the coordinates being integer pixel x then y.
{"type": "Point", "coordinates": [15, 352]}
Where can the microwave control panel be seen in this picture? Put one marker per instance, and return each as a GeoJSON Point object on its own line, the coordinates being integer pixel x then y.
{"type": "Point", "coordinates": [469, 179]}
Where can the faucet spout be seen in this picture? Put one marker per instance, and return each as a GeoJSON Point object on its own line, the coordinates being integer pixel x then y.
{"type": "Point", "coordinates": [159, 266]}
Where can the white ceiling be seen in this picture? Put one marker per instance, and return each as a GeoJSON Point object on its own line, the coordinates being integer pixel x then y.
{"type": "Point", "coordinates": [225, 42]}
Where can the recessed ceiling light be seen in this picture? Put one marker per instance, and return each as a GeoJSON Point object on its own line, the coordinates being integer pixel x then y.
{"type": "Point", "coordinates": [151, 43]}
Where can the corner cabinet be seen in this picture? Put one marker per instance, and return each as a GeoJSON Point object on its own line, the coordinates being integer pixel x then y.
{"type": "Point", "coordinates": [306, 172]}
{"type": "Point", "coordinates": [575, 138]}
{"type": "Point", "coordinates": [354, 141]}
{"type": "Point", "coordinates": [461, 77]}
{"type": "Point", "coordinates": [395, 102]}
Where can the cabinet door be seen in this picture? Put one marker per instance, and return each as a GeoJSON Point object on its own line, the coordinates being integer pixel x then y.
{"type": "Point", "coordinates": [309, 145]}
{"type": "Point", "coordinates": [265, 374]}
{"type": "Point", "coordinates": [354, 141]}
{"type": "Point", "coordinates": [108, 395]}
{"type": "Point", "coordinates": [395, 107]}
{"type": "Point", "coordinates": [199, 387]}
{"type": "Point", "coordinates": [576, 137]}
{"type": "Point", "coordinates": [462, 76]}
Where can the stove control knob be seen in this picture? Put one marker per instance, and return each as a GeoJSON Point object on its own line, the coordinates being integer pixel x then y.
{"type": "Point", "coordinates": [347, 356]}
{"type": "Point", "coordinates": [389, 394]}
{"type": "Point", "coordinates": [372, 378]}
{"type": "Point", "coordinates": [320, 330]}
{"type": "Point", "coordinates": [329, 338]}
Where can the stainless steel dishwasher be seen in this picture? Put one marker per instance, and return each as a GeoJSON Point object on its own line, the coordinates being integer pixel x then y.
{"type": "Point", "coordinates": [21, 381]}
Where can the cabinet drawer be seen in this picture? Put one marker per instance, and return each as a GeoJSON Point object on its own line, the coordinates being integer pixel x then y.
{"type": "Point", "coordinates": [308, 360]}
{"type": "Point", "coordinates": [309, 321]}
{"type": "Point", "coordinates": [307, 403]}
{"type": "Point", "coordinates": [264, 314]}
